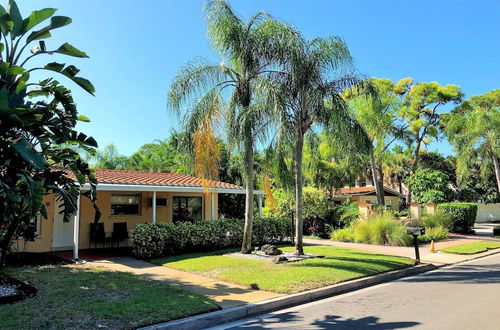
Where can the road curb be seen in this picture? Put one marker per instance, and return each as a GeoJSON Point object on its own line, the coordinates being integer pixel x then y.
{"type": "Point", "coordinates": [212, 319]}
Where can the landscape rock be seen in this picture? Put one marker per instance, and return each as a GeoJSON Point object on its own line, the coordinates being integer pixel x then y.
{"type": "Point", "coordinates": [271, 250]}
{"type": "Point", "coordinates": [279, 259]}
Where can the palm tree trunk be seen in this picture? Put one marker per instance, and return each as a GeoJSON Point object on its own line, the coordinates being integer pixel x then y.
{"type": "Point", "coordinates": [299, 248]}
{"type": "Point", "coordinates": [381, 184]}
{"type": "Point", "coordinates": [375, 179]}
{"type": "Point", "coordinates": [497, 170]}
{"type": "Point", "coordinates": [246, 246]}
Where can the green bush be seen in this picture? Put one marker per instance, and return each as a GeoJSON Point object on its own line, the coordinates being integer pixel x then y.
{"type": "Point", "coordinates": [163, 239]}
{"type": "Point", "coordinates": [347, 212]}
{"type": "Point", "coordinates": [463, 215]}
{"type": "Point", "coordinates": [433, 234]}
{"type": "Point", "coordinates": [343, 235]}
{"type": "Point", "coordinates": [496, 231]}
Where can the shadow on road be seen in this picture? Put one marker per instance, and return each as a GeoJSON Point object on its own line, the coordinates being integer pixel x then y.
{"type": "Point", "coordinates": [292, 320]}
{"type": "Point", "coordinates": [473, 274]}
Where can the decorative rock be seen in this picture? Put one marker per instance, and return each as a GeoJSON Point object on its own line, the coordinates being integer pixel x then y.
{"type": "Point", "coordinates": [270, 250]}
{"type": "Point", "coordinates": [279, 259]}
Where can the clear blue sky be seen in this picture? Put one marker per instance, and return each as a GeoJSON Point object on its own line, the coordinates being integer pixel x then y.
{"type": "Point", "coordinates": [136, 48]}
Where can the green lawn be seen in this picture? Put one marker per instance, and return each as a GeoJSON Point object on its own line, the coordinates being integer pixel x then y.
{"type": "Point", "coordinates": [472, 248]}
{"type": "Point", "coordinates": [340, 264]}
{"type": "Point", "coordinates": [72, 297]}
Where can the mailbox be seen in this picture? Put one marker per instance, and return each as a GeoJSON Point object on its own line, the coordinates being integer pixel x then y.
{"type": "Point", "coordinates": [415, 231]}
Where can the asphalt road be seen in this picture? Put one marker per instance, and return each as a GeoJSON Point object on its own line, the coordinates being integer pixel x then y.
{"type": "Point", "coordinates": [464, 296]}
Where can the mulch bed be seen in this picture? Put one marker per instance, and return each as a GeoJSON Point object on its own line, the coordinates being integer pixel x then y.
{"type": "Point", "coordinates": [12, 290]}
{"type": "Point", "coordinates": [34, 259]}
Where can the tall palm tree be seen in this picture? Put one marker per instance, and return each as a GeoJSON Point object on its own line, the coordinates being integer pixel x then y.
{"type": "Point", "coordinates": [309, 94]}
{"type": "Point", "coordinates": [378, 116]}
{"type": "Point", "coordinates": [473, 129]}
{"type": "Point", "coordinates": [252, 50]}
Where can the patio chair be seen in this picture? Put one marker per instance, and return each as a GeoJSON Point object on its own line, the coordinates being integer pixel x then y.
{"type": "Point", "coordinates": [120, 232]}
{"type": "Point", "coordinates": [97, 234]}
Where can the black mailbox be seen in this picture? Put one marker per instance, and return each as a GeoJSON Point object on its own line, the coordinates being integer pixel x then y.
{"type": "Point", "coordinates": [415, 231]}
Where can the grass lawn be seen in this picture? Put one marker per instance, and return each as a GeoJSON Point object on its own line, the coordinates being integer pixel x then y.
{"type": "Point", "coordinates": [472, 248]}
{"type": "Point", "coordinates": [72, 297]}
{"type": "Point", "coordinates": [340, 264]}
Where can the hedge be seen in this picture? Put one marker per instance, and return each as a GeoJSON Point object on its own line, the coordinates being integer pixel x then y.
{"type": "Point", "coordinates": [463, 215]}
{"type": "Point", "coordinates": [164, 239]}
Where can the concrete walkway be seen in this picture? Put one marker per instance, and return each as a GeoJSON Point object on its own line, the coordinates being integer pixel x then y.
{"type": "Point", "coordinates": [225, 294]}
{"type": "Point", "coordinates": [484, 233]}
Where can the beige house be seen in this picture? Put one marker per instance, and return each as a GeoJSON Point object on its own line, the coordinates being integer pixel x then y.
{"type": "Point", "coordinates": [130, 198]}
{"type": "Point", "coordinates": [367, 194]}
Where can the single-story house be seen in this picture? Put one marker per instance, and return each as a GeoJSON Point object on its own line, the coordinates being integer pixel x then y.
{"type": "Point", "coordinates": [367, 194]}
{"type": "Point", "coordinates": [131, 197]}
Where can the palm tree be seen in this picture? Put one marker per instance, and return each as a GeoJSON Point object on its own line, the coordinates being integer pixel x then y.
{"type": "Point", "coordinates": [309, 94]}
{"type": "Point", "coordinates": [377, 115]}
{"type": "Point", "coordinates": [473, 129]}
{"type": "Point", "coordinates": [252, 49]}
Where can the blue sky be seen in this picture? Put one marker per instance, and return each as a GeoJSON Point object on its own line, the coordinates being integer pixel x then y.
{"type": "Point", "coordinates": [136, 48]}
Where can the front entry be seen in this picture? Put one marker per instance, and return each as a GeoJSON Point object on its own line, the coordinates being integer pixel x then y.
{"type": "Point", "coordinates": [62, 232]}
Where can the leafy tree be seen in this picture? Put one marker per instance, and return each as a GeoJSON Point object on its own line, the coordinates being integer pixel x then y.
{"type": "Point", "coordinates": [377, 114]}
{"type": "Point", "coordinates": [308, 94]}
{"type": "Point", "coordinates": [421, 111]}
{"type": "Point", "coordinates": [37, 124]}
{"type": "Point", "coordinates": [396, 165]}
{"type": "Point", "coordinates": [251, 50]}
{"type": "Point", "coordinates": [109, 158]}
{"type": "Point", "coordinates": [430, 187]}
{"type": "Point", "coordinates": [473, 129]}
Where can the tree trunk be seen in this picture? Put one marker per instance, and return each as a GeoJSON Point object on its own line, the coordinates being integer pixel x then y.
{"type": "Point", "coordinates": [497, 170]}
{"type": "Point", "coordinates": [246, 246]}
{"type": "Point", "coordinates": [381, 184]}
{"type": "Point", "coordinates": [299, 248]}
{"type": "Point", "coordinates": [375, 178]}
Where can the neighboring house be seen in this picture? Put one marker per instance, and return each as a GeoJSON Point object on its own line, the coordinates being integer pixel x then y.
{"type": "Point", "coordinates": [133, 198]}
{"type": "Point", "coordinates": [367, 194]}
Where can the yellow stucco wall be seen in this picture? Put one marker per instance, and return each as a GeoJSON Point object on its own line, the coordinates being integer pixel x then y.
{"type": "Point", "coordinates": [43, 242]}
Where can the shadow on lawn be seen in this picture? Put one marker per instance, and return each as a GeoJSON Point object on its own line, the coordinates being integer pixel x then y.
{"type": "Point", "coordinates": [294, 320]}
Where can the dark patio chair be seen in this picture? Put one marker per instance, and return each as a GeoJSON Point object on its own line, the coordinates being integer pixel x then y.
{"type": "Point", "coordinates": [97, 234]}
{"type": "Point", "coordinates": [120, 232]}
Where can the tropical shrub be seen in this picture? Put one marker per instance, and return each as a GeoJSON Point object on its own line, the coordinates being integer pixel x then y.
{"type": "Point", "coordinates": [433, 234]}
{"type": "Point", "coordinates": [343, 235]}
{"type": "Point", "coordinates": [463, 215]}
{"type": "Point", "coordinates": [163, 239]}
{"type": "Point", "coordinates": [496, 230]}
{"type": "Point", "coordinates": [316, 209]}
{"type": "Point", "coordinates": [347, 213]}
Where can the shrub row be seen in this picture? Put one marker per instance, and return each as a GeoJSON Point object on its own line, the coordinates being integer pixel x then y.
{"type": "Point", "coordinates": [463, 215]}
{"type": "Point", "coordinates": [164, 239]}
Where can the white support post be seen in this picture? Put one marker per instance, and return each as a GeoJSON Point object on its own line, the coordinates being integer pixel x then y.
{"type": "Point", "coordinates": [76, 229]}
{"type": "Point", "coordinates": [212, 213]}
{"type": "Point", "coordinates": [154, 207]}
{"type": "Point", "coordinates": [260, 205]}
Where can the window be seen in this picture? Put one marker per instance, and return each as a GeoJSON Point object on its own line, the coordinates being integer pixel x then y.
{"type": "Point", "coordinates": [388, 202]}
{"type": "Point", "coordinates": [187, 209]}
{"type": "Point", "coordinates": [125, 204]}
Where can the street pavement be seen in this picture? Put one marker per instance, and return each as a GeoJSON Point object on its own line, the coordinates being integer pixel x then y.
{"type": "Point", "coordinates": [461, 296]}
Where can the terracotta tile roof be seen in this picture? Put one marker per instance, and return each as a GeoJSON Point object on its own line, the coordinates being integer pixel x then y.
{"type": "Point", "coordinates": [151, 178]}
{"type": "Point", "coordinates": [363, 191]}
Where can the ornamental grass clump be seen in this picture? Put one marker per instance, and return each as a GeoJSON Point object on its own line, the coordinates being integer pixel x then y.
{"type": "Point", "coordinates": [380, 229]}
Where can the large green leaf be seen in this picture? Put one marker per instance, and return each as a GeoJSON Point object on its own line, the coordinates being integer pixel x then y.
{"type": "Point", "coordinates": [55, 22]}
{"type": "Point", "coordinates": [85, 84]}
{"type": "Point", "coordinates": [26, 152]}
{"type": "Point", "coordinates": [54, 66]}
{"type": "Point", "coordinates": [16, 18]}
{"type": "Point", "coordinates": [70, 50]}
{"type": "Point", "coordinates": [6, 23]}
{"type": "Point", "coordinates": [36, 18]}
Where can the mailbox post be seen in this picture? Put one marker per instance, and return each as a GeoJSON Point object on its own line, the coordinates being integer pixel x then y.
{"type": "Point", "coordinates": [415, 232]}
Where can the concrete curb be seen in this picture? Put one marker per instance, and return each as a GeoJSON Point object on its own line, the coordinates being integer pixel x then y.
{"type": "Point", "coordinates": [212, 319]}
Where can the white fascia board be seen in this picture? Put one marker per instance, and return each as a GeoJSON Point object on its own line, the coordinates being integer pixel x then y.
{"type": "Point", "coordinates": [161, 188]}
